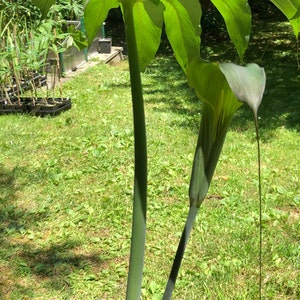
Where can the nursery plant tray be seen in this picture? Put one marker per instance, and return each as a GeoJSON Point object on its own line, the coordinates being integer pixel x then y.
{"type": "Point", "coordinates": [38, 107]}
{"type": "Point", "coordinates": [26, 85]}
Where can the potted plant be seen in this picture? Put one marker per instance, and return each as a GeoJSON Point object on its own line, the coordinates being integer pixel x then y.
{"type": "Point", "coordinates": [23, 63]}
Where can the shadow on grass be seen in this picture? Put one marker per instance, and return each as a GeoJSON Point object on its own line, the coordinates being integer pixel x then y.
{"type": "Point", "coordinates": [57, 262]}
{"type": "Point", "coordinates": [22, 257]}
{"type": "Point", "coordinates": [52, 266]}
{"type": "Point", "coordinates": [7, 183]}
{"type": "Point", "coordinates": [12, 217]}
{"type": "Point", "coordinates": [273, 47]}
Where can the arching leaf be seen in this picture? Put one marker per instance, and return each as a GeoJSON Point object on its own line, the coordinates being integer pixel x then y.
{"type": "Point", "coordinates": [297, 14]}
{"type": "Point", "coordinates": [182, 23]}
{"type": "Point", "coordinates": [290, 8]}
{"type": "Point", "coordinates": [237, 16]}
{"type": "Point", "coordinates": [148, 23]}
{"type": "Point", "coordinates": [95, 13]}
{"type": "Point", "coordinates": [247, 83]}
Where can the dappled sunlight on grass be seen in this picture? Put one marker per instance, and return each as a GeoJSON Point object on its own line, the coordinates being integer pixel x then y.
{"type": "Point", "coordinates": [66, 188]}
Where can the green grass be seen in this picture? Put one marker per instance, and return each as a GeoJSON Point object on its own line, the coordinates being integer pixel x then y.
{"type": "Point", "coordinates": [66, 189]}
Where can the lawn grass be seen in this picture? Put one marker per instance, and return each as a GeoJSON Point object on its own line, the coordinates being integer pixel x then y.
{"type": "Point", "coordinates": [66, 188]}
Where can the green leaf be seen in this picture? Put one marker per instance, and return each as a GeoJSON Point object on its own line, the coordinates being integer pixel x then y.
{"type": "Point", "coordinates": [68, 42]}
{"type": "Point", "coordinates": [247, 83]}
{"type": "Point", "coordinates": [45, 28]}
{"type": "Point", "coordinates": [220, 104]}
{"type": "Point", "coordinates": [44, 6]}
{"type": "Point", "coordinates": [297, 14]}
{"type": "Point", "coordinates": [290, 8]}
{"type": "Point", "coordinates": [148, 23]}
{"type": "Point", "coordinates": [95, 13]}
{"type": "Point", "coordinates": [182, 23]}
{"type": "Point", "coordinates": [237, 16]}
{"type": "Point", "coordinates": [79, 39]}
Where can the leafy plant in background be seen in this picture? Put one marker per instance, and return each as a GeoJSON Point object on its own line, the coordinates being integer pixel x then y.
{"type": "Point", "coordinates": [26, 40]}
{"type": "Point", "coordinates": [222, 87]}
{"type": "Point", "coordinates": [59, 37]}
{"type": "Point", "coordinates": [5, 79]}
{"type": "Point", "coordinates": [23, 61]}
{"type": "Point", "coordinates": [18, 23]}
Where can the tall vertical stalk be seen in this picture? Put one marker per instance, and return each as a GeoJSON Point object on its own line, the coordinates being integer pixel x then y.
{"type": "Point", "coordinates": [193, 211]}
{"type": "Point", "coordinates": [260, 205]}
{"type": "Point", "coordinates": [138, 237]}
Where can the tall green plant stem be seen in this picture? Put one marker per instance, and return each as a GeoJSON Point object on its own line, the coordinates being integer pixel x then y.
{"type": "Point", "coordinates": [260, 203]}
{"type": "Point", "coordinates": [138, 237]}
{"type": "Point", "coordinates": [193, 211]}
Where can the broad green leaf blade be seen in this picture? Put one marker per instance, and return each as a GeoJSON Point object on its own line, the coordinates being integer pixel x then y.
{"type": "Point", "coordinates": [44, 6]}
{"type": "Point", "coordinates": [297, 14]}
{"type": "Point", "coordinates": [237, 16]}
{"type": "Point", "coordinates": [95, 13]}
{"type": "Point", "coordinates": [79, 39]}
{"type": "Point", "coordinates": [220, 104]}
{"type": "Point", "coordinates": [148, 23]}
{"type": "Point", "coordinates": [290, 9]}
{"type": "Point", "coordinates": [247, 83]}
{"type": "Point", "coordinates": [182, 23]}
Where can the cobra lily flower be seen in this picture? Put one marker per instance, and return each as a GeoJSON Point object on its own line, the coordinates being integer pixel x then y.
{"type": "Point", "coordinates": [221, 88]}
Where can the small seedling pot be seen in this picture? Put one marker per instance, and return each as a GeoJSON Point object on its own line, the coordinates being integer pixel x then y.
{"type": "Point", "coordinates": [104, 45]}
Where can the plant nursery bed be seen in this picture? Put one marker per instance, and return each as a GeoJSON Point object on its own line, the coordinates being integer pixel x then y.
{"type": "Point", "coordinates": [37, 107]}
{"type": "Point", "coordinates": [26, 85]}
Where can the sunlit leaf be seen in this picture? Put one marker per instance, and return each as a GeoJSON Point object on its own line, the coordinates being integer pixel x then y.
{"type": "Point", "coordinates": [182, 23]}
{"type": "Point", "coordinates": [247, 83]}
{"type": "Point", "coordinates": [297, 14]}
{"type": "Point", "coordinates": [95, 13]}
{"type": "Point", "coordinates": [237, 16]}
{"type": "Point", "coordinates": [290, 8]}
{"type": "Point", "coordinates": [148, 23]}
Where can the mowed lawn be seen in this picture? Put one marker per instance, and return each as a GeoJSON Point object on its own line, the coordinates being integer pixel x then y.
{"type": "Point", "coordinates": [66, 188]}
